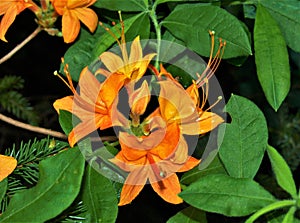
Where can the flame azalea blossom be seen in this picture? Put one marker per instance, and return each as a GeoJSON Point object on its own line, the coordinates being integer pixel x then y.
{"type": "Point", "coordinates": [156, 149]}
{"type": "Point", "coordinates": [7, 166]}
{"type": "Point", "coordinates": [72, 12]}
{"type": "Point", "coordinates": [92, 105]}
{"type": "Point", "coordinates": [10, 9]}
{"type": "Point", "coordinates": [152, 150]}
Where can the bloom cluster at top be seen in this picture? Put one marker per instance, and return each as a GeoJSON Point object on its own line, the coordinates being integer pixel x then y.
{"type": "Point", "coordinates": [152, 139]}
{"type": "Point", "coordinates": [72, 12]}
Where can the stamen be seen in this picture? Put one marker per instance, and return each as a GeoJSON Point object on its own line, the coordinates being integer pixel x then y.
{"type": "Point", "coordinates": [213, 63]}
{"type": "Point", "coordinates": [154, 167]}
{"type": "Point", "coordinates": [63, 80]}
{"type": "Point", "coordinates": [110, 32]}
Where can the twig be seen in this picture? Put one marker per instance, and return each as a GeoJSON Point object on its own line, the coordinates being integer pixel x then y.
{"type": "Point", "coordinates": [19, 46]}
{"type": "Point", "coordinates": [32, 128]}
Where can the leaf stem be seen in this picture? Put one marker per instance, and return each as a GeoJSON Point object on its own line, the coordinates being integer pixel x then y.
{"type": "Point", "coordinates": [19, 46]}
{"type": "Point", "coordinates": [153, 17]}
{"type": "Point", "coordinates": [32, 128]}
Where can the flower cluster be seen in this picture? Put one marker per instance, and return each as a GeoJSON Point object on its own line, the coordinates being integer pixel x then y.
{"type": "Point", "coordinates": [72, 13]}
{"type": "Point", "coordinates": [153, 146]}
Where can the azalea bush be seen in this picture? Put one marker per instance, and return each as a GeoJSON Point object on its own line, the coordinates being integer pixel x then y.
{"type": "Point", "coordinates": [165, 111]}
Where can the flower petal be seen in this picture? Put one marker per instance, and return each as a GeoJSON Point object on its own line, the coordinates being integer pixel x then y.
{"type": "Point", "coordinates": [7, 166]}
{"type": "Point", "coordinates": [9, 17]}
{"type": "Point", "coordinates": [168, 188]}
{"type": "Point", "coordinates": [70, 26]}
{"type": "Point", "coordinates": [80, 4]}
{"type": "Point", "coordinates": [175, 104]}
{"type": "Point", "coordinates": [136, 52]}
{"type": "Point", "coordinates": [112, 61]}
{"type": "Point", "coordinates": [65, 103]}
{"type": "Point", "coordinates": [190, 164]}
{"type": "Point", "coordinates": [88, 17]}
{"type": "Point", "coordinates": [139, 99]}
{"type": "Point", "coordinates": [133, 185]}
{"type": "Point", "coordinates": [206, 122]}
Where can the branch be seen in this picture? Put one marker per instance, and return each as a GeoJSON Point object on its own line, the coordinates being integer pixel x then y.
{"type": "Point", "coordinates": [32, 128]}
{"type": "Point", "coordinates": [19, 46]}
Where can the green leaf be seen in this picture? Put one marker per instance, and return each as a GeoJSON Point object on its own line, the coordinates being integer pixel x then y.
{"type": "Point", "coordinates": [215, 167]}
{"type": "Point", "coordinates": [189, 215]}
{"type": "Point", "coordinates": [271, 58]}
{"type": "Point", "coordinates": [245, 139]}
{"type": "Point", "coordinates": [89, 46]}
{"type": "Point", "coordinates": [3, 188]}
{"type": "Point", "coordinates": [282, 172]}
{"type": "Point", "coordinates": [127, 6]}
{"type": "Point", "coordinates": [275, 218]}
{"type": "Point", "coordinates": [286, 14]}
{"type": "Point", "coordinates": [227, 195]}
{"type": "Point", "coordinates": [58, 186]}
{"type": "Point", "coordinates": [65, 121]}
{"type": "Point", "coordinates": [192, 28]}
{"type": "Point", "coordinates": [99, 197]}
{"type": "Point", "coordinates": [289, 217]}
{"type": "Point", "coordinates": [271, 207]}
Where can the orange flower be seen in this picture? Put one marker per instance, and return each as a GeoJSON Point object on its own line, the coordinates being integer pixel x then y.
{"type": "Point", "coordinates": [152, 150]}
{"type": "Point", "coordinates": [92, 105]}
{"type": "Point", "coordinates": [155, 158]}
{"type": "Point", "coordinates": [7, 166]}
{"type": "Point", "coordinates": [10, 9]}
{"type": "Point", "coordinates": [74, 11]}
{"type": "Point", "coordinates": [134, 66]}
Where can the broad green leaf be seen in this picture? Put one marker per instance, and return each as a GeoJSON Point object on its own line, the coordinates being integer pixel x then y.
{"type": "Point", "coordinates": [126, 6]}
{"type": "Point", "coordinates": [282, 172]}
{"type": "Point", "coordinates": [66, 121]}
{"type": "Point", "coordinates": [157, 2]}
{"type": "Point", "coordinates": [58, 186]}
{"type": "Point", "coordinates": [289, 217]}
{"type": "Point", "coordinates": [271, 58]}
{"type": "Point", "coordinates": [215, 167]}
{"type": "Point", "coordinates": [227, 195]}
{"type": "Point", "coordinates": [99, 197]}
{"type": "Point", "coordinates": [271, 207]}
{"type": "Point", "coordinates": [89, 46]}
{"type": "Point", "coordinates": [192, 28]}
{"type": "Point", "coordinates": [3, 188]}
{"type": "Point", "coordinates": [189, 215]}
{"type": "Point", "coordinates": [286, 14]}
{"type": "Point", "coordinates": [245, 139]}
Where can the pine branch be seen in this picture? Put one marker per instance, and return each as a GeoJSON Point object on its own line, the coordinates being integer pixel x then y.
{"type": "Point", "coordinates": [11, 83]}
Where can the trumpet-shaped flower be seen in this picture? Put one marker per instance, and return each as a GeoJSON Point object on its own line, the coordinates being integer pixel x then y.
{"type": "Point", "coordinates": [72, 12]}
{"type": "Point", "coordinates": [10, 9]}
{"type": "Point", "coordinates": [7, 166]}
{"type": "Point", "coordinates": [92, 105]}
{"type": "Point", "coordinates": [153, 150]}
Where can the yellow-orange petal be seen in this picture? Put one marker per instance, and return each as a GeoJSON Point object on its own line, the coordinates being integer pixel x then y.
{"type": "Point", "coordinates": [65, 103]}
{"type": "Point", "coordinates": [9, 17]}
{"type": "Point", "coordinates": [205, 123]}
{"type": "Point", "coordinates": [136, 52]}
{"type": "Point", "coordinates": [70, 26]}
{"type": "Point", "coordinates": [168, 188]}
{"type": "Point", "coordinates": [133, 185]}
{"type": "Point", "coordinates": [85, 127]}
{"type": "Point", "coordinates": [112, 61]}
{"type": "Point", "coordinates": [189, 164]}
{"type": "Point", "coordinates": [59, 6]}
{"type": "Point", "coordinates": [72, 4]}
{"type": "Point", "coordinates": [7, 166]}
{"type": "Point", "coordinates": [174, 102]}
{"type": "Point", "coordinates": [139, 99]}
{"type": "Point", "coordinates": [88, 17]}
{"type": "Point", "coordinates": [4, 5]}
